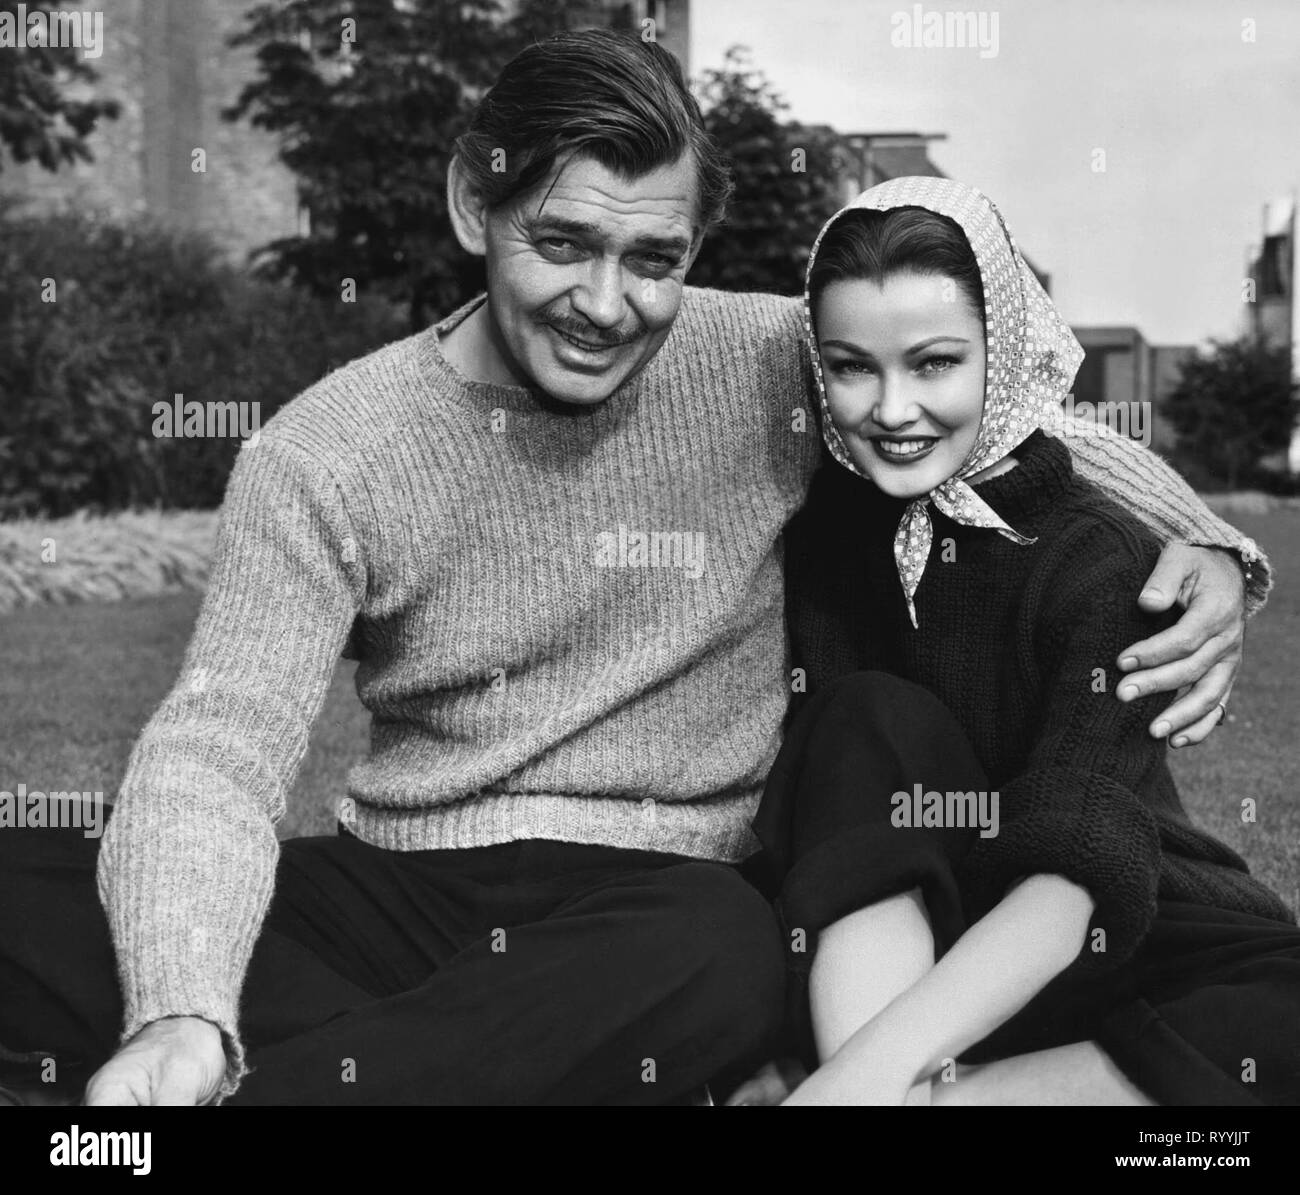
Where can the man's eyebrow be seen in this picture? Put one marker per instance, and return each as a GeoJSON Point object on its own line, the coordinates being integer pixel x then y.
{"type": "Point", "coordinates": [670, 244]}
{"type": "Point", "coordinates": [535, 225]}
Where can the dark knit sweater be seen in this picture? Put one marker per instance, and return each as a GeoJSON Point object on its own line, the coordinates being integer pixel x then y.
{"type": "Point", "coordinates": [1021, 643]}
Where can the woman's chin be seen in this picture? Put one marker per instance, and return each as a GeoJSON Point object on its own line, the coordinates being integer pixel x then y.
{"type": "Point", "coordinates": [891, 479]}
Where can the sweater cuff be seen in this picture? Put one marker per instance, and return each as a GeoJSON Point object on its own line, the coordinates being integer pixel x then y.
{"type": "Point", "coordinates": [1158, 495]}
{"type": "Point", "coordinates": [185, 895]}
{"type": "Point", "coordinates": [1087, 829]}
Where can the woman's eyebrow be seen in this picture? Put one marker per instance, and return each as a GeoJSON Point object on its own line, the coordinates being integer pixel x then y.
{"type": "Point", "coordinates": [847, 345]}
{"type": "Point", "coordinates": [925, 344]}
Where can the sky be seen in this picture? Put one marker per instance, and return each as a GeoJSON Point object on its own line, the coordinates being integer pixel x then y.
{"type": "Point", "coordinates": [1200, 127]}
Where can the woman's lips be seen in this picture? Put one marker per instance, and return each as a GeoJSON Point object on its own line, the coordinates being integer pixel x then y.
{"type": "Point", "coordinates": [903, 450]}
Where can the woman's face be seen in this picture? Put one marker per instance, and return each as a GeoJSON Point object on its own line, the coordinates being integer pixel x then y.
{"type": "Point", "coordinates": [903, 363]}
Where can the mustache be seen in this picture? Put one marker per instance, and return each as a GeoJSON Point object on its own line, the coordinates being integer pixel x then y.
{"type": "Point", "coordinates": [582, 330]}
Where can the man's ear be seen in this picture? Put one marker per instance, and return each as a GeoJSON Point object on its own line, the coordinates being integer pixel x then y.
{"type": "Point", "coordinates": [467, 210]}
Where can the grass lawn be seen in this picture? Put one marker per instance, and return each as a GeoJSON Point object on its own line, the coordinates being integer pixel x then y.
{"type": "Point", "coordinates": [79, 682]}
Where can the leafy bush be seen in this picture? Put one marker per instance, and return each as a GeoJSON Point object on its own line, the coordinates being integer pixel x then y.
{"type": "Point", "coordinates": [140, 313]}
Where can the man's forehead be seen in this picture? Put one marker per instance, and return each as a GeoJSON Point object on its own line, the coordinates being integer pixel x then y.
{"type": "Point", "coordinates": [582, 191]}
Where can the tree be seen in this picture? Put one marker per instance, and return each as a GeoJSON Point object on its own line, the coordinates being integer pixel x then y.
{"type": "Point", "coordinates": [1233, 406]}
{"type": "Point", "coordinates": [368, 113]}
{"type": "Point", "coordinates": [38, 120]}
{"type": "Point", "coordinates": [787, 183]}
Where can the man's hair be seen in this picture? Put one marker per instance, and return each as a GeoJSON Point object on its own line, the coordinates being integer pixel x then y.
{"type": "Point", "coordinates": [612, 97]}
{"type": "Point", "coordinates": [872, 246]}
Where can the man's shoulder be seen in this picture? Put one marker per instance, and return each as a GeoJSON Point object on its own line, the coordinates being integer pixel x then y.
{"type": "Point", "coordinates": [742, 312]}
{"type": "Point", "coordinates": [355, 406]}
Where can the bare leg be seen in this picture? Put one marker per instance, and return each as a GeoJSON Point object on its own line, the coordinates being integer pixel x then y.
{"type": "Point", "coordinates": [863, 962]}
{"type": "Point", "coordinates": [1081, 1073]}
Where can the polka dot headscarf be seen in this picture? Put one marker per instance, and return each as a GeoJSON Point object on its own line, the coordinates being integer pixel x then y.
{"type": "Point", "coordinates": [1032, 357]}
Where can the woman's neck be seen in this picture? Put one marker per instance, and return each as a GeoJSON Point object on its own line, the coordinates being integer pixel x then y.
{"type": "Point", "coordinates": [996, 469]}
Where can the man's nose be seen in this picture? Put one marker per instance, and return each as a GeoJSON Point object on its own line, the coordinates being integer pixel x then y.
{"type": "Point", "coordinates": [600, 297]}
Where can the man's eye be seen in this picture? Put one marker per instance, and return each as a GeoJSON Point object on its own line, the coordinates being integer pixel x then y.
{"type": "Point", "coordinates": [655, 263]}
{"type": "Point", "coordinates": [557, 246]}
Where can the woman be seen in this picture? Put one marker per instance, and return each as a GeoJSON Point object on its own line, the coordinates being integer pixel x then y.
{"type": "Point", "coordinates": [980, 848]}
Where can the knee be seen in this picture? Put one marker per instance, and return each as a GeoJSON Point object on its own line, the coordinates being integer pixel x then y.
{"type": "Point", "coordinates": [732, 947]}
{"type": "Point", "coordinates": [887, 711]}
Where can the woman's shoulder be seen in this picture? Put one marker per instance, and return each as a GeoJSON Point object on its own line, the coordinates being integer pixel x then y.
{"type": "Point", "coordinates": [1097, 529]}
{"type": "Point", "coordinates": [1092, 552]}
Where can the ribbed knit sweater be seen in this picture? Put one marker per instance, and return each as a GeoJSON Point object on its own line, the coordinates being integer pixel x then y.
{"type": "Point", "coordinates": [541, 658]}
{"type": "Point", "coordinates": [1020, 642]}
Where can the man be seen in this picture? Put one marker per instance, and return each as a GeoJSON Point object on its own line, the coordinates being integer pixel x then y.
{"type": "Point", "coordinates": [547, 528]}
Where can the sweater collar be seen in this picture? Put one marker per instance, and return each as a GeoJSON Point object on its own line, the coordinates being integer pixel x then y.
{"type": "Point", "coordinates": [1039, 480]}
{"type": "Point", "coordinates": [489, 396]}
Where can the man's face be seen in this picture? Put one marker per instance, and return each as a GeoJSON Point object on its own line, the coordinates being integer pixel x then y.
{"type": "Point", "coordinates": [585, 274]}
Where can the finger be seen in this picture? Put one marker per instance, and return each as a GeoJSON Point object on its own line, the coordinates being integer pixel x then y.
{"type": "Point", "coordinates": [1199, 627]}
{"type": "Point", "coordinates": [1198, 705]}
{"type": "Point", "coordinates": [1198, 731]}
{"type": "Point", "coordinates": [108, 1093]}
{"type": "Point", "coordinates": [1174, 570]}
{"type": "Point", "coordinates": [1169, 678]}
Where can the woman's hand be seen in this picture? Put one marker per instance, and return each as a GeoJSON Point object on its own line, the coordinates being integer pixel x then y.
{"type": "Point", "coordinates": [770, 1085]}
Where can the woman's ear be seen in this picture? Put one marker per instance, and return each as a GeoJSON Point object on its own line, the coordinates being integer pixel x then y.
{"type": "Point", "coordinates": [467, 210]}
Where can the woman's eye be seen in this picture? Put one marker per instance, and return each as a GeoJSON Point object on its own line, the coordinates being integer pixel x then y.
{"type": "Point", "coordinates": [933, 365]}
{"type": "Point", "coordinates": [848, 367]}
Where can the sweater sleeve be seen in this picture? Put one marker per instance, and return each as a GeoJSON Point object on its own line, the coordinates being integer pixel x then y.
{"type": "Point", "coordinates": [187, 864]}
{"type": "Point", "coordinates": [1074, 808]}
{"type": "Point", "coordinates": [1141, 482]}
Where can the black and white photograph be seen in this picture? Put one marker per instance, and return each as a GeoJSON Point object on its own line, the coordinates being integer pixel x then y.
{"type": "Point", "coordinates": [649, 553]}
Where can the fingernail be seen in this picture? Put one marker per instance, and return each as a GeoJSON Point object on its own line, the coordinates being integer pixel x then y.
{"type": "Point", "coordinates": [1162, 729]}
{"type": "Point", "coordinates": [1128, 692]}
{"type": "Point", "coordinates": [1129, 662]}
{"type": "Point", "coordinates": [1180, 741]}
{"type": "Point", "coordinates": [1154, 594]}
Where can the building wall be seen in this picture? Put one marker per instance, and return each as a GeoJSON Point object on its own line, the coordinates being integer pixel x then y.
{"type": "Point", "coordinates": [169, 67]}
{"type": "Point", "coordinates": [168, 64]}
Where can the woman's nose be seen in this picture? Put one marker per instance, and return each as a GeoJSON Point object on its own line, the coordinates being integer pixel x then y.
{"type": "Point", "coordinates": [895, 407]}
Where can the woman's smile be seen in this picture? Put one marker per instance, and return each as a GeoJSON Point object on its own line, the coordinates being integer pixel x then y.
{"type": "Point", "coordinates": [903, 450]}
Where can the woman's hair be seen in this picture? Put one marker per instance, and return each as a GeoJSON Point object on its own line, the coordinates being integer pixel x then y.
{"type": "Point", "coordinates": [608, 95]}
{"type": "Point", "coordinates": [872, 246]}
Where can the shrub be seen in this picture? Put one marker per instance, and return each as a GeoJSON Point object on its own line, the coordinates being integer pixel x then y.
{"type": "Point", "coordinates": [140, 313]}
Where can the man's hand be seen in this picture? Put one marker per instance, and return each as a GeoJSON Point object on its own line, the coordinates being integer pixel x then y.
{"type": "Point", "coordinates": [175, 1061]}
{"type": "Point", "coordinates": [1201, 652]}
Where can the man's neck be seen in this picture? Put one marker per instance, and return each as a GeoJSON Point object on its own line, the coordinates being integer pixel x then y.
{"type": "Point", "coordinates": [474, 349]}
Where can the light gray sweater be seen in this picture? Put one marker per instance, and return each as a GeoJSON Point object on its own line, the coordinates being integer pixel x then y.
{"type": "Point", "coordinates": [569, 626]}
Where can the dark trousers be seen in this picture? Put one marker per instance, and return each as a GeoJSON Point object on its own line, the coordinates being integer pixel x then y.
{"type": "Point", "coordinates": [1207, 1012]}
{"type": "Point", "coordinates": [530, 972]}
